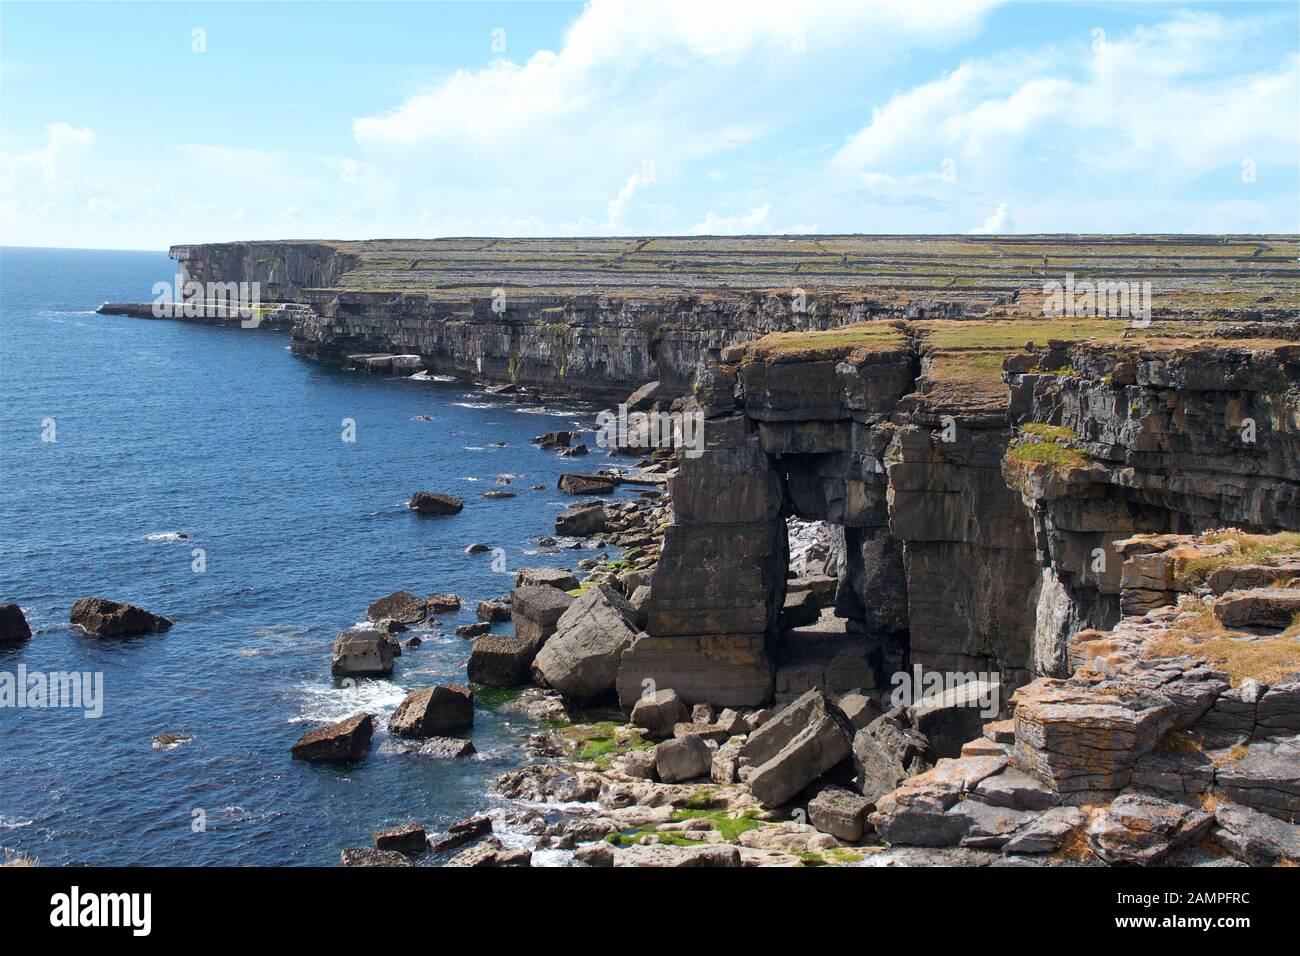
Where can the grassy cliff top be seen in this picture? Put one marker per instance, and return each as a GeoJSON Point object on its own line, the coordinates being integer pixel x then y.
{"type": "Point", "coordinates": [997, 276]}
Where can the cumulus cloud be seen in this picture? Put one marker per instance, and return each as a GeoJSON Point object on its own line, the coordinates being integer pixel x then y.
{"type": "Point", "coordinates": [754, 221]}
{"type": "Point", "coordinates": [995, 225]}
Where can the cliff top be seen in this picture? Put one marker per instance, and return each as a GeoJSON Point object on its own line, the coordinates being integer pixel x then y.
{"type": "Point", "coordinates": [1000, 276]}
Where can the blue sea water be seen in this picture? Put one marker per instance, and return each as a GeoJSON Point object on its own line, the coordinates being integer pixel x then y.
{"type": "Point", "coordinates": [163, 427]}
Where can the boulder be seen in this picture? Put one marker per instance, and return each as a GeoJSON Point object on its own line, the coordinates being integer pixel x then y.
{"type": "Point", "coordinates": [458, 834]}
{"type": "Point", "coordinates": [796, 746]}
{"type": "Point", "coordinates": [407, 838]}
{"type": "Point", "coordinates": [800, 608]}
{"type": "Point", "coordinates": [640, 764]}
{"type": "Point", "coordinates": [447, 748]}
{"type": "Point", "coordinates": [683, 758]}
{"type": "Point", "coordinates": [1255, 838]}
{"type": "Point", "coordinates": [100, 617]}
{"type": "Point", "coordinates": [493, 611]}
{"type": "Point", "coordinates": [346, 740]}
{"type": "Point", "coordinates": [433, 711]}
{"type": "Point", "coordinates": [1017, 790]}
{"type": "Point", "coordinates": [364, 856]}
{"type": "Point", "coordinates": [477, 547]}
{"type": "Point", "coordinates": [400, 606]}
{"type": "Point", "coordinates": [473, 630]}
{"type": "Point", "coordinates": [888, 751]}
{"type": "Point", "coordinates": [501, 660]}
{"type": "Point", "coordinates": [1142, 829]}
{"type": "Point", "coordinates": [1278, 712]}
{"type": "Point", "coordinates": [643, 398]}
{"type": "Point", "coordinates": [442, 603]}
{"type": "Point", "coordinates": [554, 439]}
{"type": "Point", "coordinates": [13, 624]}
{"type": "Point", "coordinates": [725, 767]}
{"type": "Point", "coordinates": [536, 609]}
{"type": "Point", "coordinates": [581, 659]}
{"type": "Point", "coordinates": [1272, 608]}
{"type": "Point", "coordinates": [583, 520]}
{"type": "Point", "coordinates": [859, 709]}
{"type": "Point", "coordinates": [432, 503]}
{"type": "Point", "coordinates": [659, 712]}
{"type": "Point", "coordinates": [572, 483]}
{"type": "Point", "coordinates": [1046, 832]}
{"type": "Point", "coordinates": [839, 812]}
{"type": "Point", "coordinates": [560, 578]}
{"type": "Point", "coordinates": [1265, 778]}
{"type": "Point", "coordinates": [363, 654]}
{"type": "Point", "coordinates": [713, 732]}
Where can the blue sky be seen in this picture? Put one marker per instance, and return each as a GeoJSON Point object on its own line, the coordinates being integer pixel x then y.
{"type": "Point", "coordinates": [121, 127]}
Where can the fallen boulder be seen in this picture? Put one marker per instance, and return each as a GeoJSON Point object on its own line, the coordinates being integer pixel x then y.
{"type": "Point", "coordinates": [432, 503]}
{"type": "Point", "coordinates": [442, 603]}
{"type": "Point", "coordinates": [536, 609]}
{"type": "Point", "coordinates": [952, 717]}
{"type": "Point", "coordinates": [560, 578]}
{"type": "Point", "coordinates": [363, 654]}
{"type": "Point", "coordinates": [346, 740]}
{"type": "Point", "coordinates": [13, 624]}
{"type": "Point", "coordinates": [581, 659]}
{"type": "Point", "coordinates": [807, 738]}
{"type": "Point", "coordinates": [493, 611]}
{"type": "Point", "coordinates": [1255, 838]}
{"type": "Point", "coordinates": [447, 748]}
{"type": "Point", "coordinates": [573, 483]}
{"type": "Point", "coordinates": [501, 660]}
{"type": "Point", "coordinates": [659, 712]}
{"type": "Point", "coordinates": [1142, 829]}
{"type": "Point", "coordinates": [434, 711]}
{"type": "Point", "coordinates": [492, 852]}
{"type": "Point", "coordinates": [364, 856]}
{"type": "Point", "coordinates": [888, 751]}
{"type": "Point", "coordinates": [458, 834]}
{"type": "Point", "coordinates": [839, 812]}
{"type": "Point", "coordinates": [100, 617]}
{"type": "Point", "coordinates": [1272, 608]}
{"type": "Point", "coordinates": [683, 758]}
{"type": "Point", "coordinates": [407, 838]}
{"type": "Point", "coordinates": [583, 520]}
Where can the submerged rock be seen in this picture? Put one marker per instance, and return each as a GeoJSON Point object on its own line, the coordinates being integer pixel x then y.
{"type": "Point", "coordinates": [364, 856]}
{"type": "Point", "coordinates": [100, 617]}
{"type": "Point", "coordinates": [400, 606]}
{"type": "Point", "coordinates": [447, 748]}
{"type": "Point", "coordinates": [458, 834]}
{"type": "Point", "coordinates": [406, 838]}
{"type": "Point", "coordinates": [363, 654]}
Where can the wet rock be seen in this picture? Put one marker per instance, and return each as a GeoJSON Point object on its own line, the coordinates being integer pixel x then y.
{"type": "Point", "coordinates": [389, 626]}
{"type": "Point", "coordinates": [458, 834]}
{"type": "Point", "coordinates": [400, 606]}
{"type": "Point", "coordinates": [432, 503]}
{"type": "Point", "coordinates": [659, 712]}
{"type": "Point", "coordinates": [13, 624]}
{"type": "Point", "coordinates": [498, 495]}
{"type": "Point", "coordinates": [169, 741]}
{"type": "Point", "coordinates": [682, 758]}
{"type": "Point", "coordinates": [886, 752]}
{"type": "Point", "coordinates": [473, 630]}
{"type": "Point", "coordinates": [1142, 829]}
{"type": "Point", "coordinates": [1255, 838]}
{"type": "Point", "coordinates": [447, 748]}
{"type": "Point", "coordinates": [100, 617]}
{"type": "Point", "coordinates": [1272, 608]}
{"type": "Point", "coordinates": [554, 439]}
{"type": "Point", "coordinates": [346, 740]}
{"type": "Point", "coordinates": [839, 812]}
{"type": "Point", "coordinates": [413, 642]}
{"type": "Point", "coordinates": [433, 712]}
{"type": "Point", "coordinates": [572, 483]}
{"type": "Point", "coordinates": [363, 654]}
{"type": "Point", "coordinates": [595, 854]}
{"type": "Point", "coordinates": [501, 660]}
{"type": "Point", "coordinates": [477, 548]}
{"type": "Point", "coordinates": [492, 852]}
{"type": "Point", "coordinates": [546, 577]}
{"type": "Point", "coordinates": [581, 659]}
{"type": "Point", "coordinates": [406, 838]}
{"type": "Point", "coordinates": [796, 746]}
{"type": "Point", "coordinates": [364, 856]}
{"type": "Point", "coordinates": [442, 603]}
{"type": "Point", "coordinates": [575, 450]}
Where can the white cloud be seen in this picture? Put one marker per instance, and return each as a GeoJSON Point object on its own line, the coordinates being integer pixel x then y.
{"type": "Point", "coordinates": [995, 225]}
{"type": "Point", "coordinates": [754, 221]}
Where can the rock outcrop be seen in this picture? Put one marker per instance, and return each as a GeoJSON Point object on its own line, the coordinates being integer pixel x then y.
{"type": "Point", "coordinates": [100, 617]}
{"type": "Point", "coordinates": [343, 741]}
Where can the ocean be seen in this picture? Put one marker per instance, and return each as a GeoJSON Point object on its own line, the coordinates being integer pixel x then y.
{"type": "Point", "coordinates": [161, 428]}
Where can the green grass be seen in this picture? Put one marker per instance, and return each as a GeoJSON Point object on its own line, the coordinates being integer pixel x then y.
{"type": "Point", "coordinates": [1048, 453]}
{"type": "Point", "coordinates": [1050, 432]}
{"type": "Point", "coordinates": [1243, 548]}
{"type": "Point", "coordinates": [598, 743]}
{"type": "Point", "coordinates": [730, 827]}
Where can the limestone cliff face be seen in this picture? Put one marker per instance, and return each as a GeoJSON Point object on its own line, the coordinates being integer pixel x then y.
{"type": "Point", "coordinates": [1172, 437]}
{"type": "Point", "coordinates": [960, 553]}
{"type": "Point", "coordinates": [283, 270]}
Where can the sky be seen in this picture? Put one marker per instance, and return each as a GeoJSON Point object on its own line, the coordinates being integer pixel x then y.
{"type": "Point", "coordinates": [142, 125]}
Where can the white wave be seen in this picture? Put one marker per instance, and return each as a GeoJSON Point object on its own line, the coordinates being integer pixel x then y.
{"type": "Point", "coordinates": [475, 404]}
{"type": "Point", "coordinates": [167, 536]}
{"type": "Point", "coordinates": [469, 479]}
{"type": "Point", "coordinates": [327, 704]}
{"type": "Point", "coordinates": [475, 448]}
{"type": "Point", "coordinates": [13, 823]}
